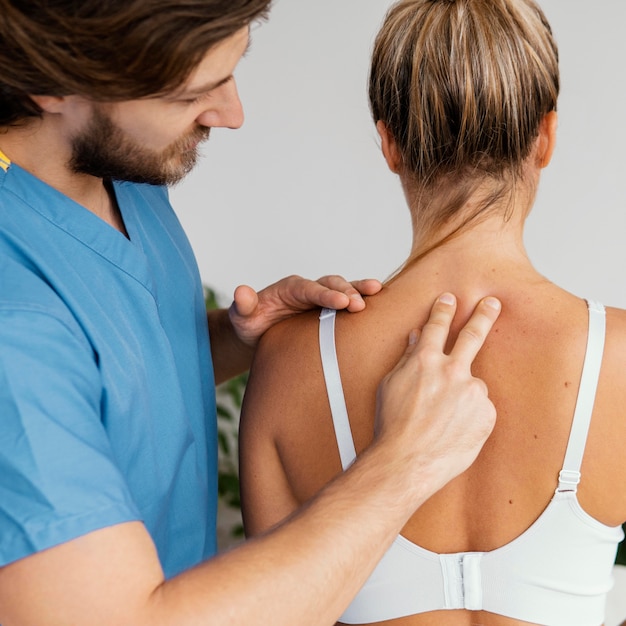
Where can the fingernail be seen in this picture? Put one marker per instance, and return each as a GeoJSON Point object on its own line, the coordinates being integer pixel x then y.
{"type": "Point", "coordinates": [494, 303]}
{"type": "Point", "coordinates": [447, 298]}
{"type": "Point", "coordinates": [356, 296]}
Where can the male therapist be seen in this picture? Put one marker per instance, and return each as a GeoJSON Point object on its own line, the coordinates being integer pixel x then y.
{"type": "Point", "coordinates": [107, 418]}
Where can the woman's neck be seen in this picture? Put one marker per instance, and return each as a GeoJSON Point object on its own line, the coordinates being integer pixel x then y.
{"type": "Point", "coordinates": [490, 212]}
{"type": "Point", "coordinates": [479, 259]}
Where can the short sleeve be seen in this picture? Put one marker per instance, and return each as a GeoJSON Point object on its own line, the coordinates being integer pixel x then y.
{"type": "Point", "coordinates": [58, 476]}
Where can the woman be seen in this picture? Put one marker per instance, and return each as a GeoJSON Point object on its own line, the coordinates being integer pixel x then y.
{"type": "Point", "coordinates": [463, 93]}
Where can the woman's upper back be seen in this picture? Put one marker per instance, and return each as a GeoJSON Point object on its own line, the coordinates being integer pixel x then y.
{"type": "Point", "coordinates": [536, 577]}
{"type": "Point", "coordinates": [532, 365]}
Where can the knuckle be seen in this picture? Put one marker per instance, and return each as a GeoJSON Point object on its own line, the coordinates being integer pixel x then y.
{"type": "Point", "coordinates": [472, 333]}
{"type": "Point", "coordinates": [477, 386]}
{"type": "Point", "coordinates": [482, 385]}
{"type": "Point", "coordinates": [293, 278]}
{"type": "Point", "coordinates": [436, 322]}
{"type": "Point", "coordinates": [427, 358]}
{"type": "Point", "coordinates": [456, 369]}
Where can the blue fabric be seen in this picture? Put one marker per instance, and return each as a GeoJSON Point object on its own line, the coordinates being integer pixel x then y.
{"type": "Point", "coordinates": [107, 403]}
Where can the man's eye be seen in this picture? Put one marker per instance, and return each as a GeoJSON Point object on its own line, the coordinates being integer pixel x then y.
{"type": "Point", "coordinates": [197, 99]}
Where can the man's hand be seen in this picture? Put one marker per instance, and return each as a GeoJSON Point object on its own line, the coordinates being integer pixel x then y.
{"type": "Point", "coordinates": [431, 409]}
{"type": "Point", "coordinates": [252, 313]}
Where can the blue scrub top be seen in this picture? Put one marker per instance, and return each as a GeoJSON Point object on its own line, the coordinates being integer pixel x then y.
{"type": "Point", "coordinates": [107, 402]}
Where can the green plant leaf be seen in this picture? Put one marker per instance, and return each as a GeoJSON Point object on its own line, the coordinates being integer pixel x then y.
{"type": "Point", "coordinates": [237, 531]}
{"type": "Point", "coordinates": [223, 443]}
{"type": "Point", "coordinates": [210, 299]}
{"type": "Point", "coordinates": [224, 413]}
{"type": "Point", "coordinates": [228, 396]}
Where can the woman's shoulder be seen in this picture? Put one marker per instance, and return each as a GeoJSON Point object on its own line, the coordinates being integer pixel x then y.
{"type": "Point", "coordinates": [616, 318]}
{"type": "Point", "coordinates": [605, 464]}
{"type": "Point", "coordinates": [615, 347]}
{"type": "Point", "coordinates": [615, 343]}
{"type": "Point", "coordinates": [289, 342]}
{"type": "Point", "coordinates": [284, 370]}
{"type": "Point", "coordinates": [286, 390]}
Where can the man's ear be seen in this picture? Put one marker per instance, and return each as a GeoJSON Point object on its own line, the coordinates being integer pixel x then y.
{"type": "Point", "coordinates": [49, 104]}
{"type": "Point", "coordinates": [547, 138]}
{"type": "Point", "coordinates": [389, 147]}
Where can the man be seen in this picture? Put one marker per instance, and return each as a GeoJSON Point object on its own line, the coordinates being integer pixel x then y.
{"type": "Point", "coordinates": [107, 424]}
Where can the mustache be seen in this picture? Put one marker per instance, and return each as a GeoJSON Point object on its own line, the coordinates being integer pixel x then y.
{"type": "Point", "coordinates": [201, 134]}
{"type": "Point", "coordinates": [197, 135]}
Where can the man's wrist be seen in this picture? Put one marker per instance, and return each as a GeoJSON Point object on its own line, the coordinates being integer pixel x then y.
{"type": "Point", "coordinates": [404, 483]}
{"type": "Point", "coordinates": [231, 356]}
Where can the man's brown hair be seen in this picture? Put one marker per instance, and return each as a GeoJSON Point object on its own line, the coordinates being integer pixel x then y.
{"type": "Point", "coordinates": [107, 50]}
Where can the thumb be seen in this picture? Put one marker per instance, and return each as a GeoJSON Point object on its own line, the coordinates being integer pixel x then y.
{"type": "Point", "coordinates": [245, 300]}
{"type": "Point", "coordinates": [413, 339]}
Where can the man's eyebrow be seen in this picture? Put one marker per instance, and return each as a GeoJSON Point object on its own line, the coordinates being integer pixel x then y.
{"type": "Point", "coordinates": [198, 91]}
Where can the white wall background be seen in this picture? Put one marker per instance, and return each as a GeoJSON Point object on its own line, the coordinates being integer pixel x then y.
{"type": "Point", "coordinates": [301, 188]}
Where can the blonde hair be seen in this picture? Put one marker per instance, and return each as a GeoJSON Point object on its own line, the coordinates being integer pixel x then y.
{"type": "Point", "coordinates": [462, 86]}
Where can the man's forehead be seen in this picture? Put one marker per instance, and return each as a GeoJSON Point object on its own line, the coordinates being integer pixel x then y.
{"type": "Point", "coordinates": [217, 66]}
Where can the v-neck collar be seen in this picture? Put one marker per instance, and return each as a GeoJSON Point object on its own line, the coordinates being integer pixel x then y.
{"type": "Point", "coordinates": [83, 225]}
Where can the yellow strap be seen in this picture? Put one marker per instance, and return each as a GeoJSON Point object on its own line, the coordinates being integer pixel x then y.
{"type": "Point", "coordinates": [4, 161]}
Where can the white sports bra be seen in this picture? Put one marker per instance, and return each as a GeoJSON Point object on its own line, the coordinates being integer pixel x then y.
{"type": "Point", "coordinates": [556, 573]}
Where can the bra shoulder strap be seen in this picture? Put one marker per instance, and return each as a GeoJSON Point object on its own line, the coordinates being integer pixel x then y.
{"type": "Point", "coordinates": [569, 476]}
{"type": "Point", "coordinates": [334, 388]}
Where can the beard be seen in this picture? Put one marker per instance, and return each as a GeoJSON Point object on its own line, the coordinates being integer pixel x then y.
{"type": "Point", "coordinates": [102, 149]}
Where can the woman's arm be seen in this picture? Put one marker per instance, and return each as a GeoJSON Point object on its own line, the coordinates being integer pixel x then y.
{"type": "Point", "coordinates": [273, 397]}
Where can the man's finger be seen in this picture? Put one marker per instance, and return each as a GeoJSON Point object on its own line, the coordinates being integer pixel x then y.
{"type": "Point", "coordinates": [336, 282]}
{"type": "Point", "coordinates": [472, 336]}
{"type": "Point", "coordinates": [410, 349]}
{"type": "Point", "coordinates": [437, 328]}
{"type": "Point", "coordinates": [316, 293]}
{"type": "Point", "coordinates": [355, 290]}
{"type": "Point", "coordinates": [245, 300]}
{"type": "Point", "coordinates": [367, 286]}
{"type": "Point", "coordinates": [340, 285]}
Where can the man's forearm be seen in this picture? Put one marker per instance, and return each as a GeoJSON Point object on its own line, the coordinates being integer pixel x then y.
{"type": "Point", "coordinates": [305, 572]}
{"type": "Point", "coordinates": [308, 569]}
